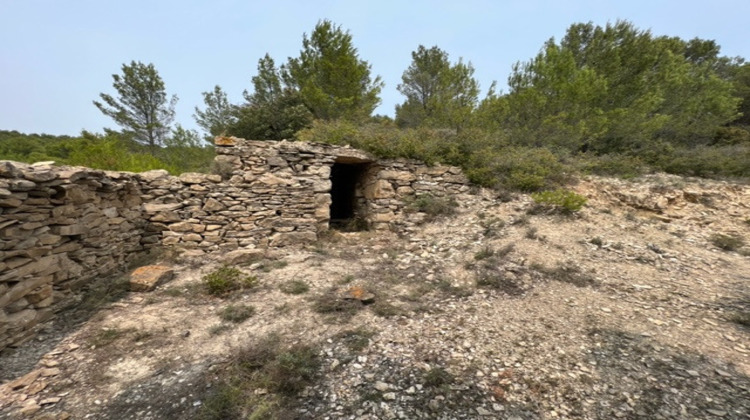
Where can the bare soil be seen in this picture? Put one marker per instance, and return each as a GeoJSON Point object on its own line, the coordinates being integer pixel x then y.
{"type": "Point", "coordinates": [628, 309]}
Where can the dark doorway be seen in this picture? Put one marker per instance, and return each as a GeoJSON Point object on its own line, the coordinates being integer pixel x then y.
{"type": "Point", "coordinates": [344, 179]}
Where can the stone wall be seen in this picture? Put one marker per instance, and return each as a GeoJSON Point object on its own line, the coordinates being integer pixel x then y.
{"type": "Point", "coordinates": [60, 227]}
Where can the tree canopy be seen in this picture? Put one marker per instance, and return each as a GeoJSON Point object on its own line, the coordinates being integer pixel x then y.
{"type": "Point", "coordinates": [331, 79]}
{"type": "Point", "coordinates": [142, 107]}
{"type": "Point", "coordinates": [614, 89]}
{"type": "Point", "coordinates": [438, 94]}
{"type": "Point", "coordinates": [218, 116]}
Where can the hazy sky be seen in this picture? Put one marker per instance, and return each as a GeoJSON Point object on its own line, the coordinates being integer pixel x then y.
{"type": "Point", "coordinates": [57, 56]}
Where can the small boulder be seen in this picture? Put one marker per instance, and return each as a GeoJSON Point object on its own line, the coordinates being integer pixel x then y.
{"type": "Point", "coordinates": [146, 278]}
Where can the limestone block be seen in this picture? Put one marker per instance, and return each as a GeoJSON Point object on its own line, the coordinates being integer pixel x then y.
{"type": "Point", "coordinates": [146, 278]}
{"type": "Point", "coordinates": [382, 189]}
{"type": "Point", "coordinates": [21, 185]}
{"type": "Point", "coordinates": [41, 265]}
{"type": "Point", "coordinates": [39, 294]}
{"type": "Point", "coordinates": [322, 213]}
{"type": "Point", "coordinates": [159, 208]}
{"type": "Point", "coordinates": [21, 319]}
{"type": "Point", "coordinates": [9, 169]}
{"type": "Point", "coordinates": [16, 306]}
{"type": "Point", "coordinates": [213, 205]}
{"type": "Point", "coordinates": [321, 185]}
{"type": "Point", "coordinates": [192, 178]}
{"type": "Point", "coordinates": [166, 217]}
{"type": "Point", "coordinates": [226, 141]}
{"type": "Point", "coordinates": [45, 303]}
{"type": "Point", "coordinates": [10, 202]}
{"type": "Point", "coordinates": [110, 212]}
{"type": "Point", "coordinates": [382, 217]}
{"type": "Point", "coordinates": [39, 175]}
{"type": "Point", "coordinates": [181, 227]}
{"type": "Point", "coordinates": [192, 237]}
{"type": "Point", "coordinates": [69, 230]}
{"type": "Point", "coordinates": [78, 195]}
{"type": "Point", "coordinates": [403, 176]}
{"type": "Point", "coordinates": [169, 241]}
{"type": "Point", "coordinates": [432, 170]}
{"type": "Point", "coordinates": [404, 191]}
{"type": "Point", "coordinates": [153, 175]}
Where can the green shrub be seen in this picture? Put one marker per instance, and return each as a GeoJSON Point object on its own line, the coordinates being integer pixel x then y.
{"type": "Point", "coordinates": [225, 280]}
{"type": "Point", "coordinates": [624, 166]}
{"type": "Point", "coordinates": [732, 161]}
{"type": "Point", "coordinates": [517, 168]}
{"type": "Point", "coordinates": [560, 199]}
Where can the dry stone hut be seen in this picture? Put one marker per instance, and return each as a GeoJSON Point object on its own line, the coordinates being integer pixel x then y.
{"type": "Point", "coordinates": [61, 227]}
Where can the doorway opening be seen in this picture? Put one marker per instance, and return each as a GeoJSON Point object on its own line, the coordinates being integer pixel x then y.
{"type": "Point", "coordinates": [346, 196]}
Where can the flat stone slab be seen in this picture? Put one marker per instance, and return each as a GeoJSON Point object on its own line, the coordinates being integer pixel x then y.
{"type": "Point", "coordinates": [146, 278]}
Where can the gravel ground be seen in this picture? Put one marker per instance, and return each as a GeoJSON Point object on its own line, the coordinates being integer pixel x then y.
{"type": "Point", "coordinates": [626, 310]}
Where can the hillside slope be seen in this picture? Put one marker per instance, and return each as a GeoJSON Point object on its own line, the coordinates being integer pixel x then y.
{"type": "Point", "coordinates": [629, 309]}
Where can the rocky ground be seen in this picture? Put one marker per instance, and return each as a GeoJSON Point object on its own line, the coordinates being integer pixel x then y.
{"type": "Point", "coordinates": [629, 309]}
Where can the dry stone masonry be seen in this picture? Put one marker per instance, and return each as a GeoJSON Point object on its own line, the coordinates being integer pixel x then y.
{"type": "Point", "coordinates": [61, 227]}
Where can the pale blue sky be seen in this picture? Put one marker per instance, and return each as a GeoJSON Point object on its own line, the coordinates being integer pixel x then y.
{"type": "Point", "coordinates": [57, 56]}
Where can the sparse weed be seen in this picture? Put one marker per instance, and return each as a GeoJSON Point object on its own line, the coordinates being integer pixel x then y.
{"type": "Point", "coordinates": [386, 309]}
{"type": "Point", "coordinates": [437, 378]}
{"type": "Point", "coordinates": [282, 371]}
{"type": "Point", "coordinates": [532, 233]}
{"type": "Point", "coordinates": [492, 278]}
{"type": "Point", "coordinates": [173, 291]}
{"type": "Point", "coordinates": [333, 304]}
{"type": "Point", "coordinates": [504, 251]}
{"type": "Point", "coordinates": [598, 241]}
{"type": "Point", "coordinates": [294, 287]}
{"type": "Point", "coordinates": [484, 253]}
{"type": "Point", "coordinates": [432, 206]}
{"type": "Point", "coordinates": [219, 329]}
{"type": "Point", "coordinates": [268, 266]}
{"type": "Point", "coordinates": [568, 273]}
{"type": "Point", "coordinates": [356, 340]}
{"type": "Point", "coordinates": [225, 280]}
{"type": "Point", "coordinates": [726, 242]}
{"type": "Point", "coordinates": [347, 279]}
{"type": "Point", "coordinates": [491, 226]}
{"type": "Point", "coordinates": [447, 287]}
{"type": "Point", "coordinates": [107, 336]}
{"type": "Point", "coordinates": [741, 318]}
{"type": "Point", "coordinates": [237, 313]}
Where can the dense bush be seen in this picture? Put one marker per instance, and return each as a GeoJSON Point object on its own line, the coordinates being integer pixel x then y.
{"type": "Point", "coordinates": [517, 168]}
{"type": "Point", "coordinates": [111, 151]}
